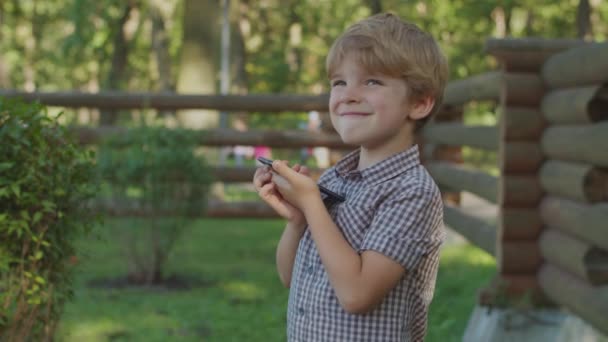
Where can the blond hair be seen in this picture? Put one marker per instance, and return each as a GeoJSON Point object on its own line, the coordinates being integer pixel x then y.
{"type": "Point", "coordinates": [385, 44]}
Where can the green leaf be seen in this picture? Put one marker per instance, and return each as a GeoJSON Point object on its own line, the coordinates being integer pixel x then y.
{"type": "Point", "coordinates": [37, 217]}
{"type": "Point", "coordinates": [16, 189]}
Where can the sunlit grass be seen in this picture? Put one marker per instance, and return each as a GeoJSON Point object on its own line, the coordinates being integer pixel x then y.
{"type": "Point", "coordinates": [236, 295]}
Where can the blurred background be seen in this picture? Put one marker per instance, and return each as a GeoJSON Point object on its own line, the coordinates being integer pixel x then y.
{"type": "Point", "coordinates": [142, 277]}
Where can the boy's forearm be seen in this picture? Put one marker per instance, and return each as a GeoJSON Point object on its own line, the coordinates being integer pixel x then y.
{"type": "Point", "coordinates": [342, 263]}
{"type": "Point", "coordinates": [286, 250]}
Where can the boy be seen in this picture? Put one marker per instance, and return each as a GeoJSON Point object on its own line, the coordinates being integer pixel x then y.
{"type": "Point", "coordinates": [364, 269]}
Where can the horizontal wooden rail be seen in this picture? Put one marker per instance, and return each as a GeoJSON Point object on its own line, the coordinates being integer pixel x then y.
{"type": "Point", "coordinates": [240, 210]}
{"type": "Point", "coordinates": [575, 256]}
{"type": "Point", "coordinates": [476, 230]}
{"type": "Point", "coordinates": [482, 87]}
{"type": "Point", "coordinates": [454, 134]}
{"type": "Point", "coordinates": [582, 182]}
{"type": "Point", "coordinates": [229, 174]}
{"type": "Point", "coordinates": [586, 222]}
{"type": "Point", "coordinates": [580, 143]}
{"type": "Point", "coordinates": [586, 301]}
{"type": "Point", "coordinates": [527, 53]}
{"type": "Point", "coordinates": [581, 105]}
{"type": "Point", "coordinates": [579, 66]}
{"type": "Point", "coordinates": [126, 208]}
{"type": "Point", "coordinates": [228, 137]}
{"type": "Point", "coordinates": [169, 101]}
{"type": "Point", "coordinates": [463, 179]}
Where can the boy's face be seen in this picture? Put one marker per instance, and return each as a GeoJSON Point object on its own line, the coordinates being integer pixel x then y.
{"type": "Point", "coordinates": [369, 110]}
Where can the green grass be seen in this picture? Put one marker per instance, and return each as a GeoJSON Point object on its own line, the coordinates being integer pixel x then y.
{"type": "Point", "coordinates": [239, 297]}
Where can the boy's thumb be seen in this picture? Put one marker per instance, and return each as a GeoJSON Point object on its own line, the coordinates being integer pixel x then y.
{"type": "Point", "coordinates": [281, 168]}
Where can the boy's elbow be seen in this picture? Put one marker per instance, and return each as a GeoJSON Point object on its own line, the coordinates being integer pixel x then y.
{"type": "Point", "coordinates": [284, 280]}
{"type": "Point", "coordinates": [357, 304]}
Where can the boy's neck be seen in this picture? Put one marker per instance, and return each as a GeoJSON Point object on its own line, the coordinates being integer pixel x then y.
{"type": "Point", "coordinates": [372, 156]}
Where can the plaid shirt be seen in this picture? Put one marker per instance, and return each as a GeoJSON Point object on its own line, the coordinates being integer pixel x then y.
{"type": "Point", "coordinates": [395, 208]}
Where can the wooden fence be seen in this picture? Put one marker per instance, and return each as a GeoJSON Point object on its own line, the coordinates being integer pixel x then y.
{"type": "Point", "coordinates": [550, 237]}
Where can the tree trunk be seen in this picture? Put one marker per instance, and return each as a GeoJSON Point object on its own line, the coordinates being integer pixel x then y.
{"type": "Point", "coordinates": [198, 65]}
{"type": "Point", "coordinates": [375, 6]}
{"type": "Point", "coordinates": [119, 63]}
{"type": "Point", "coordinates": [239, 52]}
{"type": "Point", "coordinates": [160, 45]}
{"type": "Point", "coordinates": [583, 19]}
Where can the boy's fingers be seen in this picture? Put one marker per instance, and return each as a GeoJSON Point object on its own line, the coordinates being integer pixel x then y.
{"type": "Point", "coordinates": [304, 170]}
{"type": "Point", "coordinates": [280, 167]}
{"type": "Point", "coordinates": [266, 190]}
{"type": "Point", "coordinates": [260, 178]}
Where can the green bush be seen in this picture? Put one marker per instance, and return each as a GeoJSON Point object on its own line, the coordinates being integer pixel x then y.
{"type": "Point", "coordinates": [44, 180]}
{"type": "Point", "coordinates": [155, 173]}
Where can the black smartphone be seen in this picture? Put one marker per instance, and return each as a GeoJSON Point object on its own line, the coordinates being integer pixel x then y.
{"type": "Point", "coordinates": [332, 195]}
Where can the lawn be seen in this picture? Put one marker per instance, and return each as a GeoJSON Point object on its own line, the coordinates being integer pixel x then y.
{"type": "Point", "coordinates": [235, 294]}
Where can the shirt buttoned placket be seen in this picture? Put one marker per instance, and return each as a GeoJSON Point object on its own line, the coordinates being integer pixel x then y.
{"type": "Point", "coordinates": [304, 307]}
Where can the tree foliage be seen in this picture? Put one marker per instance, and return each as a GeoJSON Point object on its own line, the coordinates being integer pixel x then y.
{"type": "Point", "coordinates": [69, 44]}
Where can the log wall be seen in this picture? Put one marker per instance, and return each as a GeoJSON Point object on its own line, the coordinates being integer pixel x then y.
{"type": "Point", "coordinates": [574, 178]}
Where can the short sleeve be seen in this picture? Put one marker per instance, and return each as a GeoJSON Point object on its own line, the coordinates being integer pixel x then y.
{"type": "Point", "coordinates": [407, 228]}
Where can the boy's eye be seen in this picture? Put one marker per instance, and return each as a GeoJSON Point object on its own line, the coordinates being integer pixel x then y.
{"type": "Point", "coordinates": [337, 83]}
{"type": "Point", "coordinates": [373, 82]}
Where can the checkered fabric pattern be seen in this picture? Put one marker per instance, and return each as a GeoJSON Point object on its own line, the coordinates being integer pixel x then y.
{"type": "Point", "coordinates": [395, 208]}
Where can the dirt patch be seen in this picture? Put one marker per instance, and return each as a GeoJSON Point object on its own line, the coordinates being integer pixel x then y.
{"type": "Point", "coordinates": [171, 283]}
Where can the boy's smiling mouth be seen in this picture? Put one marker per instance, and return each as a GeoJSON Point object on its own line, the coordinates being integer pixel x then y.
{"type": "Point", "coordinates": [354, 114]}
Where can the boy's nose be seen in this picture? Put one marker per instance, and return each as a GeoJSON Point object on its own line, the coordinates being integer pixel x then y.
{"type": "Point", "coordinates": [351, 95]}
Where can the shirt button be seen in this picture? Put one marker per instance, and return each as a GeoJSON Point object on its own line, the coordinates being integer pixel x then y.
{"type": "Point", "coordinates": [301, 311]}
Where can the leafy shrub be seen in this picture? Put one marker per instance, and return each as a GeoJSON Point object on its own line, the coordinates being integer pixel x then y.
{"type": "Point", "coordinates": [44, 180]}
{"type": "Point", "coordinates": [154, 174]}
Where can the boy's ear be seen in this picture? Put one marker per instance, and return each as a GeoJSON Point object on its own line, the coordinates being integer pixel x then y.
{"type": "Point", "coordinates": [422, 107]}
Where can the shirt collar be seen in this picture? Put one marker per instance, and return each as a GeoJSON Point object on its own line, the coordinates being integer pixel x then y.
{"type": "Point", "coordinates": [380, 172]}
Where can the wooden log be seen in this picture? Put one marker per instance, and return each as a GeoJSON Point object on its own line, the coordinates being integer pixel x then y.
{"type": "Point", "coordinates": [522, 123]}
{"type": "Point", "coordinates": [125, 208]}
{"type": "Point", "coordinates": [519, 191]}
{"type": "Point", "coordinates": [580, 66]}
{"type": "Point", "coordinates": [518, 157]}
{"type": "Point", "coordinates": [527, 54]}
{"type": "Point", "coordinates": [519, 224]}
{"type": "Point", "coordinates": [589, 303]}
{"type": "Point", "coordinates": [576, 105]}
{"type": "Point", "coordinates": [586, 222]}
{"type": "Point", "coordinates": [522, 89]}
{"type": "Point", "coordinates": [170, 101]}
{"type": "Point", "coordinates": [460, 178]}
{"type": "Point", "coordinates": [581, 182]}
{"type": "Point", "coordinates": [577, 143]}
{"type": "Point", "coordinates": [457, 134]}
{"type": "Point", "coordinates": [477, 231]}
{"type": "Point", "coordinates": [482, 87]}
{"type": "Point", "coordinates": [228, 137]}
{"type": "Point", "coordinates": [575, 256]}
{"type": "Point", "coordinates": [518, 257]}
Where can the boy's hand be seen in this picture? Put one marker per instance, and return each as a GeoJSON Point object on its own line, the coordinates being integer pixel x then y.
{"type": "Point", "coordinates": [263, 182]}
{"type": "Point", "coordinates": [295, 187]}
